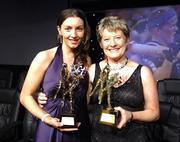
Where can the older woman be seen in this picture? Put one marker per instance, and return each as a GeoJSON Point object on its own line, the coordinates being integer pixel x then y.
{"type": "Point", "coordinates": [123, 86]}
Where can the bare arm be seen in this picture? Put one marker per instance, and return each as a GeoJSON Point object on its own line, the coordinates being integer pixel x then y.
{"type": "Point", "coordinates": [151, 110]}
{"type": "Point", "coordinates": [32, 81]}
{"type": "Point", "coordinates": [31, 84]}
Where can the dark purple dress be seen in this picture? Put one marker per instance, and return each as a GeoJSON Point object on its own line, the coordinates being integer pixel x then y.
{"type": "Point", "coordinates": [47, 133]}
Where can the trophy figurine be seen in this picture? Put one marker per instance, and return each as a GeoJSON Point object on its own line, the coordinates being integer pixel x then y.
{"type": "Point", "coordinates": [65, 91]}
{"type": "Point", "coordinates": [68, 118]}
{"type": "Point", "coordinates": [108, 116]}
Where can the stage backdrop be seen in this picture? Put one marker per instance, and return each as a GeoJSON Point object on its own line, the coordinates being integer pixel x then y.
{"type": "Point", "coordinates": [155, 37]}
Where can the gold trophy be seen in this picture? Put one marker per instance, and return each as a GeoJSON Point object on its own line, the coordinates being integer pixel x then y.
{"type": "Point", "coordinates": [67, 84]}
{"type": "Point", "coordinates": [68, 118]}
{"type": "Point", "coordinates": [108, 116]}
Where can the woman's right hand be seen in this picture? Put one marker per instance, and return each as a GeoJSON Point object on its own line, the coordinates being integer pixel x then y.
{"type": "Point", "coordinates": [70, 129]}
{"type": "Point", "coordinates": [41, 99]}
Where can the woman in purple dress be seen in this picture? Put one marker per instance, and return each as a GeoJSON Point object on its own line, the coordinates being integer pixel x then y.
{"type": "Point", "coordinates": [60, 72]}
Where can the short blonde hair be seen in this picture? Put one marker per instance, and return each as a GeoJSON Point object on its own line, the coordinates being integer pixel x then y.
{"type": "Point", "coordinates": [112, 23]}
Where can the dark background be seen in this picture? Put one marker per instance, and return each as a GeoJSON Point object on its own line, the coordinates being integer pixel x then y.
{"type": "Point", "coordinates": [28, 26]}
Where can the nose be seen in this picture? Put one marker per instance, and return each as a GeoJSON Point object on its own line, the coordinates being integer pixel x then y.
{"type": "Point", "coordinates": [112, 42]}
{"type": "Point", "coordinates": [73, 33]}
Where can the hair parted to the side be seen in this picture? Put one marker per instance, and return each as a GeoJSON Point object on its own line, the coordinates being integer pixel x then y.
{"type": "Point", "coordinates": [112, 23]}
{"type": "Point", "coordinates": [81, 52]}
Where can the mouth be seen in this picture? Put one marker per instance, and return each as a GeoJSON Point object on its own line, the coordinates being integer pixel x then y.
{"type": "Point", "coordinates": [74, 41]}
{"type": "Point", "coordinates": [113, 49]}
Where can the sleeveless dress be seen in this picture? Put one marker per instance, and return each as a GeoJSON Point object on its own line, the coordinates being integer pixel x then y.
{"type": "Point", "coordinates": [129, 96]}
{"type": "Point", "coordinates": [51, 79]}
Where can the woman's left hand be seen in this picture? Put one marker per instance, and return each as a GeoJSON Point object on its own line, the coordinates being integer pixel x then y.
{"type": "Point", "coordinates": [125, 117]}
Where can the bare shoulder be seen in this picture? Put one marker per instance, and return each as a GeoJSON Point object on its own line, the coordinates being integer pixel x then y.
{"type": "Point", "coordinates": [46, 54]}
{"type": "Point", "coordinates": [147, 75]}
{"type": "Point", "coordinates": [146, 71]}
{"type": "Point", "coordinates": [43, 58]}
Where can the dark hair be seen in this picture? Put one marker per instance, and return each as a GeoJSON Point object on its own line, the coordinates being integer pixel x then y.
{"type": "Point", "coordinates": [81, 51]}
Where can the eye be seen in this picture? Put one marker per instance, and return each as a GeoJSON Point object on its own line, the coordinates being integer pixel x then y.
{"type": "Point", "coordinates": [106, 39]}
{"type": "Point", "coordinates": [67, 29]}
{"type": "Point", "coordinates": [117, 37]}
{"type": "Point", "coordinates": [79, 29]}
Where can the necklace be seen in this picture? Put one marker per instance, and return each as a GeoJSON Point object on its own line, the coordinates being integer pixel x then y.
{"type": "Point", "coordinates": [115, 73]}
{"type": "Point", "coordinates": [118, 66]}
{"type": "Point", "coordinates": [105, 83]}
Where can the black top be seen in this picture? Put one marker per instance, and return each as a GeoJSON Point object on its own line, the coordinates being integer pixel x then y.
{"type": "Point", "coordinates": [129, 96]}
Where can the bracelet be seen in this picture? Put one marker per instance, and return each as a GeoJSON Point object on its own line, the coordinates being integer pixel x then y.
{"type": "Point", "coordinates": [45, 116]}
{"type": "Point", "coordinates": [131, 117]}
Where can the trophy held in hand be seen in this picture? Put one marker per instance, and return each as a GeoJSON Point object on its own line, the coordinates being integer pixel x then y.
{"type": "Point", "coordinates": [67, 84]}
{"type": "Point", "coordinates": [108, 116]}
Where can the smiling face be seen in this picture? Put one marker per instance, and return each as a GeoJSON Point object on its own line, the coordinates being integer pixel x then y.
{"type": "Point", "coordinates": [72, 32]}
{"type": "Point", "coordinates": [114, 44]}
{"type": "Point", "coordinates": [113, 36]}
